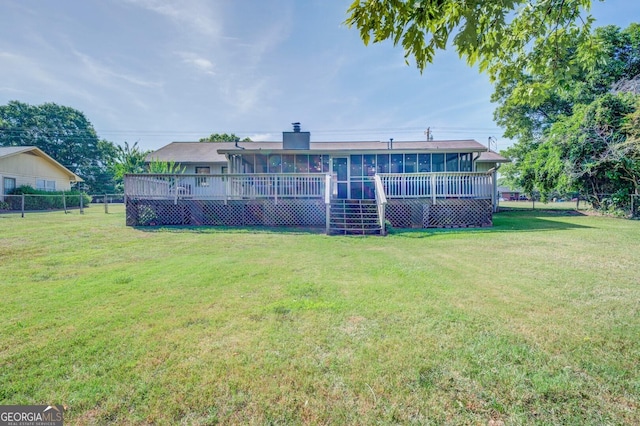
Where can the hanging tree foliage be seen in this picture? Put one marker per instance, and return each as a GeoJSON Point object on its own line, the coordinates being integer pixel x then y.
{"type": "Point", "coordinates": [502, 37]}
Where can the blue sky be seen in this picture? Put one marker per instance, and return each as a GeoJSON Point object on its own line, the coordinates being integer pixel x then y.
{"type": "Point", "coordinates": [157, 71]}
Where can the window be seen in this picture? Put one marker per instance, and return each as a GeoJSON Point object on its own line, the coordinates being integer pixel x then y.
{"type": "Point", "coordinates": [202, 181]}
{"type": "Point", "coordinates": [452, 163]}
{"type": "Point", "coordinates": [437, 163]}
{"type": "Point", "coordinates": [465, 162]}
{"type": "Point", "coordinates": [356, 190]}
{"type": "Point", "coordinates": [9, 185]}
{"type": "Point", "coordinates": [288, 165]}
{"type": "Point", "coordinates": [356, 166]}
{"type": "Point", "coordinates": [369, 164]}
{"type": "Point", "coordinates": [260, 163]}
{"type": "Point", "coordinates": [275, 163]}
{"type": "Point", "coordinates": [45, 185]}
{"type": "Point", "coordinates": [325, 164]}
{"type": "Point", "coordinates": [247, 163]}
{"type": "Point", "coordinates": [315, 163]}
{"type": "Point", "coordinates": [302, 163]}
{"type": "Point", "coordinates": [396, 163]}
{"type": "Point", "coordinates": [410, 163]}
{"type": "Point", "coordinates": [424, 163]}
{"type": "Point", "coordinates": [383, 163]}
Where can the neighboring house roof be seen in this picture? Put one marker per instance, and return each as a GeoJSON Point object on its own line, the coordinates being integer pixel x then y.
{"type": "Point", "coordinates": [214, 152]}
{"type": "Point", "coordinates": [492, 157]}
{"type": "Point", "coordinates": [191, 152]}
{"type": "Point", "coordinates": [8, 151]}
{"type": "Point", "coordinates": [507, 189]}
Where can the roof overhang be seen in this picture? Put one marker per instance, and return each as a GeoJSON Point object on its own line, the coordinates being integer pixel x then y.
{"type": "Point", "coordinates": [32, 150]}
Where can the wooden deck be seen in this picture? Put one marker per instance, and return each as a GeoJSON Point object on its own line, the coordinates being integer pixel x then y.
{"type": "Point", "coordinates": [420, 200]}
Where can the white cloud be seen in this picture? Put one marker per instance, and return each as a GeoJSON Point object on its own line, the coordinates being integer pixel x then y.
{"type": "Point", "coordinates": [202, 64]}
{"type": "Point", "coordinates": [19, 70]}
{"type": "Point", "coordinates": [193, 15]}
{"type": "Point", "coordinates": [260, 137]}
{"type": "Point", "coordinates": [102, 74]}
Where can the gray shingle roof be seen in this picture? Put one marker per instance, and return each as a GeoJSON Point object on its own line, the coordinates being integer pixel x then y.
{"type": "Point", "coordinates": [492, 157]}
{"type": "Point", "coordinates": [214, 152]}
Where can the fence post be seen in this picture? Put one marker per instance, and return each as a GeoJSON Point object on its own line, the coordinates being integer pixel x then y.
{"type": "Point", "coordinates": [22, 205]}
{"type": "Point", "coordinates": [64, 203]}
{"type": "Point", "coordinates": [81, 204]}
{"type": "Point", "coordinates": [106, 205]}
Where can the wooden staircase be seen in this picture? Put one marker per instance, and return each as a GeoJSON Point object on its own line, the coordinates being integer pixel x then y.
{"type": "Point", "coordinates": [354, 217]}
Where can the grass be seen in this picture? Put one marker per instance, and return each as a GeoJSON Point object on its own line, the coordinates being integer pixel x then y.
{"type": "Point", "coordinates": [533, 321]}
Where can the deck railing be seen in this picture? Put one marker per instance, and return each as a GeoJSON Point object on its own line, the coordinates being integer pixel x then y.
{"type": "Point", "coordinates": [308, 185]}
{"type": "Point", "coordinates": [225, 186]}
{"type": "Point", "coordinates": [437, 185]}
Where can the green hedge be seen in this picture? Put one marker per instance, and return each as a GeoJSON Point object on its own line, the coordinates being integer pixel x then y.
{"type": "Point", "coordinates": [45, 200]}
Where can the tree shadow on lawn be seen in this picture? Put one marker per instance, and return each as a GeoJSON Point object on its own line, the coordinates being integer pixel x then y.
{"type": "Point", "coordinates": [511, 221]}
{"type": "Point", "coordinates": [211, 229]}
{"type": "Point", "coordinates": [505, 221]}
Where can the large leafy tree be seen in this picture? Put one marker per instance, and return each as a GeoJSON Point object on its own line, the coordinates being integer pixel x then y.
{"type": "Point", "coordinates": [62, 132]}
{"type": "Point", "coordinates": [525, 116]}
{"type": "Point", "coordinates": [224, 137]}
{"type": "Point", "coordinates": [502, 37]}
{"type": "Point", "coordinates": [578, 135]}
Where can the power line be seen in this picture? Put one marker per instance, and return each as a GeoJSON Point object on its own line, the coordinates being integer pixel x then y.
{"type": "Point", "coordinates": [171, 135]}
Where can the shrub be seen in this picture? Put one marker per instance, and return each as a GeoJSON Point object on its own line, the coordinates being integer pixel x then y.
{"type": "Point", "coordinates": [45, 200]}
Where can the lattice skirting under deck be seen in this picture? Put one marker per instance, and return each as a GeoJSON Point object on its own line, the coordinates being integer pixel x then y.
{"type": "Point", "coordinates": [147, 212]}
{"type": "Point", "coordinates": [423, 213]}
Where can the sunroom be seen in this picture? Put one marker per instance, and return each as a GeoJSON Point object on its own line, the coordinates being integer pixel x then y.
{"type": "Point", "coordinates": [341, 186]}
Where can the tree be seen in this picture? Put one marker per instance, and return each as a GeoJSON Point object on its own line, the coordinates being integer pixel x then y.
{"type": "Point", "coordinates": [166, 167]}
{"type": "Point", "coordinates": [525, 116]}
{"type": "Point", "coordinates": [127, 159]}
{"type": "Point", "coordinates": [503, 37]}
{"type": "Point", "coordinates": [62, 132]}
{"type": "Point", "coordinates": [224, 137]}
{"type": "Point", "coordinates": [578, 136]}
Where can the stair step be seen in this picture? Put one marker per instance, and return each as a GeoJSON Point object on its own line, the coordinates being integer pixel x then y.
{"type": "Point", "coordinates": [354, 217]}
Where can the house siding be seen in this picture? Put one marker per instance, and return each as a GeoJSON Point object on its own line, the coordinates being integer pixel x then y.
{"type": "Point", "coordinates": [28, 168]}
{"type": "Point", "coordinates": [214, 168]}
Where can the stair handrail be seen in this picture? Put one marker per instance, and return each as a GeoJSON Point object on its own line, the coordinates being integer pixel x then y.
{"type": "Point", "coordinates": [327, 201]}
{"type": "Point", "coordinates": [327, 189]}
{"type": "Point", "coordinates": [381, 202]}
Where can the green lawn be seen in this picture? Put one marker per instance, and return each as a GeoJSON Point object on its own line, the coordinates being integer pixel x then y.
{"type": "Point", "coordinates": [536, 320]}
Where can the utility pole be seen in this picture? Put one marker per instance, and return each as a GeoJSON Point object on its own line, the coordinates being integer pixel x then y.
{"type": "Point", "coordinates": [428, 134]}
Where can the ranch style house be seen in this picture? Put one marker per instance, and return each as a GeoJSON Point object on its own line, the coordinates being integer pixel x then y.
{"type": "Point", "coordinates": [29, 165]}
{"type": "Point", "coordinates": [343, 187]}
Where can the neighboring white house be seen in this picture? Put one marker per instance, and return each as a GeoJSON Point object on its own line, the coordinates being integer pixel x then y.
{"type": "Point", "coordinates": [29, 165]}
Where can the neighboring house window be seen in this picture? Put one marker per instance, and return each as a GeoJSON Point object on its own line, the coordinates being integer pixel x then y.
{"type": "Point", "coordinates": [9, 184]}
{"type": "Point", "coordinates": [224, 170]}
{"type": "Point", "coordinates": [202, 181]}
{"type": "Point", "coordinates": [45, 185]}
